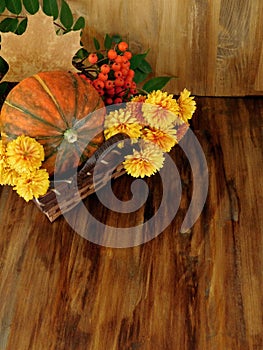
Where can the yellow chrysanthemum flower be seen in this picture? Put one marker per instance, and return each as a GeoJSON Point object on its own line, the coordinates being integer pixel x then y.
{"type": "Point", "coordinates": [8, 176]}
{"type": "Point", "coordinates": [2, 148]}
{"type": "Point", "coordinates": [121, 121]}
{"type": "Point", "coordinates": [181, 131]}
{"type": "Point", "coordinates": [2, 153]}
{"type": "Point", "coordinates": [138, 98]}
{"type": "Point", "coordinates": [163, 100]}
{"type": "Point", "coordinates": [2, 174]}
{"type": "Point", "coordinates": [24, 154]}
{"type": "Point", "coordinates": [187, 105]}
{"type": "Point", "coordinates": [165, 138]}
{"type": "Point", "coordinates": [32, 185]}
{"type": "Point", "coordinates": [135, 108]}
{"type": "Point", "coordinates": [145, 162]}
{"type": "Point", "coordinates": [160, 109]}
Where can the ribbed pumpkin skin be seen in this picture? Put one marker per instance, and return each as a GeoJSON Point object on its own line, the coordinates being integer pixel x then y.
{"type": "Point", "coordinates": [48, 104]}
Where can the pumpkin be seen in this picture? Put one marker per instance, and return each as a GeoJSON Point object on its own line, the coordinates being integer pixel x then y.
{"type": "Point", "coordinates": [56, 109]}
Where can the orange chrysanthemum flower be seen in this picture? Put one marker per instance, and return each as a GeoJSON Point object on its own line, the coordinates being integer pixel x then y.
{"type": "Point", "coordinates": [138, 98]}
{"type": "Point", "coordinates": [165, 138]}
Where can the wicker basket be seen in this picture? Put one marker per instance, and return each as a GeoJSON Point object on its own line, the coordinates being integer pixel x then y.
{"type": "Point", "coordinates": [65, 194]}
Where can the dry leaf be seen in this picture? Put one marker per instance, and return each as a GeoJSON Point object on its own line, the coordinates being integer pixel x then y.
{"type": "Point", "coordinates": [38, 49]}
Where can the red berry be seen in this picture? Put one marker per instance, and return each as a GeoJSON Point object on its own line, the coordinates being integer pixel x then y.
{"type": "Point", "coordinates": [109, 84]}
{"type": "Point", "coordinates": [119, 82]}
{"type": "Point", "coordinates": [118, 100]}
{"type": "Point", "coordinates": [110, 92]}
{"type": "Point", "coordinates": [123, 46]}
{"type": "Point", "coordinates": [118, 74]}
{"type": "Point", "coordinates": [92, 58]}
{"type": "Point", "coordinates": [119, 59]}
{"type": "Point", "coordinates": [127, 84]}
{"type": "Point", "coordinates": [126, 64]}
{"type": "Point", "coordinates": [109, 101]}
{"type": "Point", "coordinates": [83, 76]}
{"type": "Point", "coordinates": [119, 91]}
{"type": "Point", "coordinates": [116, 66]}
{"type": "Point", "coordinates": [98, 84]}
{"type": "Point", "coordinates": [128, 55]}
{"type": "Point", "coordinates": [103, 76]}
{"type": "Point", "coordinates": [105, 68]}
{"type": "Point", "coordinates": [112, 54]}
{"type": "Point", "coordinates": [124, 71]}
{"type": "Point", "coordinates": [131, 73]}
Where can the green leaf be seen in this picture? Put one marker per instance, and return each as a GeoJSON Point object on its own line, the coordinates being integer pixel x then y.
{"type": "Point", "coordinates": [21, 27]}
{"type": "Point", "coordinates": [145, 67]}
{"type": "Point", "coordinates": [107, 42]}
{"type": "Point", "coordinates": [32, 6]}
{"type": "Point", "coordinates": [50, 7]}
{"type": "Point", "coordinates": [82, 53]}
{"type": "Point", "coordinates": [80, 23]}
{"type": "Point", "coordinates": [3, 87]}
{"type": "Point", "coordinates": [96, 44]}
{"type": "Point", "coordinates": [14, 6]}
{"type": "Point", "coordinates": [137, 60]}
{"type": "Point", "coordinates": [116, 39]}
{"type": "Point", "coordinates": [2, 6]}
{"type": "Point", "coordinates": [8, 25]}
{"type": "Point", "coordinates": [139, 76]}
{"type": "Point", "coordinates": [100, 58]}
{"type": "Point", "coordinates": [66, 17]}
{"type": "Point", "coordinates": [156, 83]}
{"type": "Point", "coordinates": [3, 66]}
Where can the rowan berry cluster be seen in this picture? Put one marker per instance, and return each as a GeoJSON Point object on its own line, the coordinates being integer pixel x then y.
{"type": "Point", "coordinates": [110, 73]}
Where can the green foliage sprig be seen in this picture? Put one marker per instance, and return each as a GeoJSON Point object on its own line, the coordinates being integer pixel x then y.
{"type": "Point", "coordinates": [16, 22]}
{"type": "Point", "coordinates": [14, 14]}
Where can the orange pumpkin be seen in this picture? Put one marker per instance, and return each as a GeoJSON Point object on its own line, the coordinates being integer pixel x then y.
{"type": "Point", "coordinates": [56, 109]}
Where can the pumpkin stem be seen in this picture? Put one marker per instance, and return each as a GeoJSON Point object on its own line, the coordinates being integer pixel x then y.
{"type": "Point", "coordinates": [71, 135]}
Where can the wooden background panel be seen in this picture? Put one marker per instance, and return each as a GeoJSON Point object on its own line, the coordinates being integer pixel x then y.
{"type": "Point", "coordinates": [214, 47]}
{"type": "Point", "coordinates": [259, 80]}
{"type": "Point", "coordinates": [239, 47]}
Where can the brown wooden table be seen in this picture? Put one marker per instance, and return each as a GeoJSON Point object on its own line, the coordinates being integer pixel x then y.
{"type": "Point", "coordinates": [201, 289]}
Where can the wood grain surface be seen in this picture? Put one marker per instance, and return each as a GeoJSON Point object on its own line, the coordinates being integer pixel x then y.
{"type": "Point", "coordinates": [213, 47]}
{"type": "Point", "coordinates": [196, 290]}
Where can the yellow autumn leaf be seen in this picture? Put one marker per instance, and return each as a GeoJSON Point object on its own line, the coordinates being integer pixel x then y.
{"type": "Point", "coordinates": [38, 49]}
